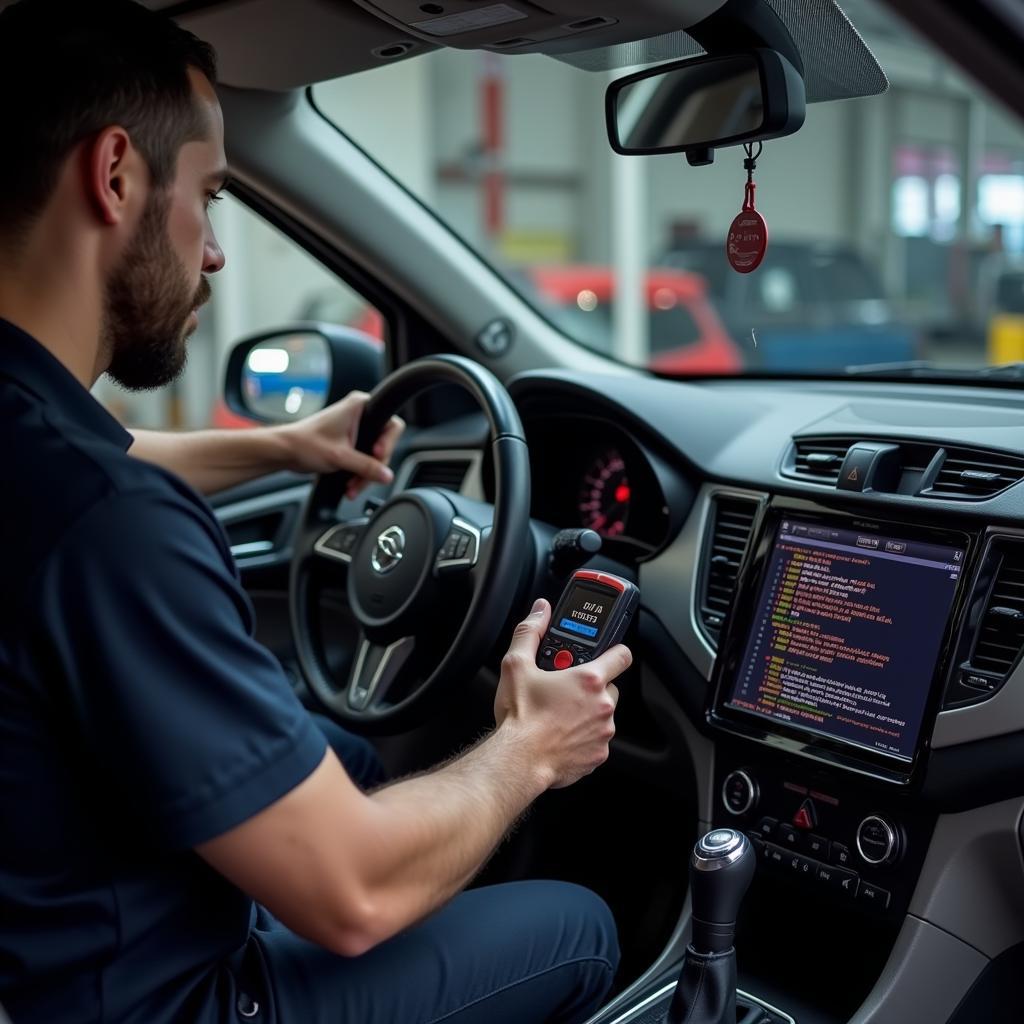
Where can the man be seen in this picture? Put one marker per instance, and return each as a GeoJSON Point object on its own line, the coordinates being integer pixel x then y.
{"type": "Point", "coordinates": [157, 776]}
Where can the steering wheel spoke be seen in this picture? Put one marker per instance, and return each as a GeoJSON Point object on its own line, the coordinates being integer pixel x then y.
{"type": "Point", "coordinates": [461, 550]}
{"type": "Point", "coordinates": [375, 668]}
{"type": "Point", "coordinates": [338, 542]}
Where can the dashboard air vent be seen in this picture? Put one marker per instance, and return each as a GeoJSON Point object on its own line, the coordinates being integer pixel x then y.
{"type": "Point", "coordinates": [444, 473]}
{"type": "Point", "coordinates": [972, 474]}
{"type": "Point", "coordinates": [732, 522]}
{"type": "Point", "coordinates": [1001, 637]}
{"type": "Point", "coordinates": [819, 458]}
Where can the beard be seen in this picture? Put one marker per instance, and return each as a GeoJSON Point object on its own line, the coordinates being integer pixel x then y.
{"type": "Point", "coordinates": [147, 306]}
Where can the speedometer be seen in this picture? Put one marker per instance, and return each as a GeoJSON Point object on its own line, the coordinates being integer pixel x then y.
{"type": "Point", "coordinates": [605, 494]}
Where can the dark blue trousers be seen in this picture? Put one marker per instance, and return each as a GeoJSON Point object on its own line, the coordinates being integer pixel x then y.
{"type": "Point", "coordinates": [522, 953]}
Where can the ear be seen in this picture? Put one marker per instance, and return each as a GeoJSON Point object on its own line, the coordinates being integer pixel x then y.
{"type": "Point", "coordinates": [112, 172]}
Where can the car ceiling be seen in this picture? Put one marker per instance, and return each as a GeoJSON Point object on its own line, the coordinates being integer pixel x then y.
{"type": "Point", "coordinates": [284, 44]}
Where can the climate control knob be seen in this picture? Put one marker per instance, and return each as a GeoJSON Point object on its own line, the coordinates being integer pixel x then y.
{"type": "Point", "coordinates": [878, 842]}
{"type": "Point", "coordinates": [739, 792]}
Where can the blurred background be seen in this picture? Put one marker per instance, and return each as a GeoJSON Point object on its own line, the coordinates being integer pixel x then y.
{"type": "Point", "coordinates": [896, 224]}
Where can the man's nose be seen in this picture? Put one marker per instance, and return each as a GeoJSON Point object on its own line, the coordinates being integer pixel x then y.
{"type": "Point", "coordinates": [213, 256]}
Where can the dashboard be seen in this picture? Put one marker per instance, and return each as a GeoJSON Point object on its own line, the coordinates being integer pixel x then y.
{"type": "Point", "coordinates": [589, 473]}
{"type": "Point", "coordinates": [833, 573]}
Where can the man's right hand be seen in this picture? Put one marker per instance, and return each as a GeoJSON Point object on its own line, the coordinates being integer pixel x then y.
{"type": "Point", "coordinates": [565, 717]}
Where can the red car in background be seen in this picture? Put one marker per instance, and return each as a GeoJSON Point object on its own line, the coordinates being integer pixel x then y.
{"type": "Point", "coordinates": [684, 333]}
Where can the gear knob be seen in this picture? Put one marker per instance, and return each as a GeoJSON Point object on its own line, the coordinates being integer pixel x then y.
{"type": "Point", "coordinates": [721, 868]}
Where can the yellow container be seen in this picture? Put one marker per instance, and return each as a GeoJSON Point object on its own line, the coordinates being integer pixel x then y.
{"type": "Point", "coordinates": [1006, 338]}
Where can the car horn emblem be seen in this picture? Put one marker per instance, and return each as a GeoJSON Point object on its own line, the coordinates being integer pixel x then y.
{"type": "Point", "coordinates": [389, 549]}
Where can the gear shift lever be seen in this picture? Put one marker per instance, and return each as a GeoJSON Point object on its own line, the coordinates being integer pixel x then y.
{"type": "Point", "coordinates": [721, 868]}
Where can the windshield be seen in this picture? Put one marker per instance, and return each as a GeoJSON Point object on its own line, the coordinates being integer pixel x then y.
{"type": "Point", "coordinates": [896, 222]}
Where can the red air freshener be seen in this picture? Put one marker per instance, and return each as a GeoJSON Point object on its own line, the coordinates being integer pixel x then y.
{"type": "Point", "coordinates": [748, 234]}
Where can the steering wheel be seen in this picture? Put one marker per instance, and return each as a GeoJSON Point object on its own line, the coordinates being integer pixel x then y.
{"type": "Point", "coordinates": [431, 575]}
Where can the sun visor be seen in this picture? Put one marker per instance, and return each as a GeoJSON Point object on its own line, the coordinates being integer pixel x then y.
{"type": "Point", "coordinates": [837, 62]}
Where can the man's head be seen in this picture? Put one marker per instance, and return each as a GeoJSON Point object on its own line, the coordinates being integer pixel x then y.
{"type": "Point", "coordinates": [113, 141]}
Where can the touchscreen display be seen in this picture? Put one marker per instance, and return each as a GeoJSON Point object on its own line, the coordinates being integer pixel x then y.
{"type": "Point", "coordinates": [584, 611]}
{"type": "Point", "coordinates": [846, 634]}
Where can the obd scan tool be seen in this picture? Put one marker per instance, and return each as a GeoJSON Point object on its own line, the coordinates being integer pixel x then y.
{"type": "Point", "coordinates": [591, 615]}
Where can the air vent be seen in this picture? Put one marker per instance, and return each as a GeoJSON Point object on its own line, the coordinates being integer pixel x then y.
{"type": "Point", "coordinates": [733, 519]}
{"type": "Point", "coordinates": [444, 473]}
{"type": "Point", "coordinates": [819, 458]}
{"type": "Point", "coordinates": [1001, 636]}
{"type": "Point", "coordinates": [972, 474]}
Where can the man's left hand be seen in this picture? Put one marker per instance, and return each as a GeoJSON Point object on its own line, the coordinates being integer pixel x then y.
{"type": "Point", "coordinates": [325, 443]}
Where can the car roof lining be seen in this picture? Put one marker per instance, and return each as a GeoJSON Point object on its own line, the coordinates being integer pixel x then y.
{"type": "Point", "coordinates": [336, 39]}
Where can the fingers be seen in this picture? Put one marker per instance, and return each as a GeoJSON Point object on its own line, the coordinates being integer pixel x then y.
{"type": "Point", "coordinates": [599, 673]}
{"type": "Point", "coordinates": [364, 466]}
{"type": "Point", "coordinates": [527, 635]}
{"type": "Point", "coordinates": [385, 444]}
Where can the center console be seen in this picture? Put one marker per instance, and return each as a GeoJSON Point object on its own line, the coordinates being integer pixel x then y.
{"type": "Point", "coordinates": [832, 671]}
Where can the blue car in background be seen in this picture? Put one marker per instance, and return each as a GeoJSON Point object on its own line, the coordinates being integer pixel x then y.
{"type": "Point", "coordinates": [809, 306]}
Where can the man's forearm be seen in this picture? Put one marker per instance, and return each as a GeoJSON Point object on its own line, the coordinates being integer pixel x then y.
{"type": "Point", "coordinates": [212, 460]}
{"type": "Point", "coordinates": [438, 830]}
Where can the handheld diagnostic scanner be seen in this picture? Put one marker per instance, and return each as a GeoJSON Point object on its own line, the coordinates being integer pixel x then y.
{"type": "Point", "coordinates": [592, 615]}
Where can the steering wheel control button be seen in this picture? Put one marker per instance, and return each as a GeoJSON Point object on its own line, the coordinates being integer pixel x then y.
{"type": "Point", "coordinates": [563, 659]}
{"type": "Point", "coordinates": [739, 792]}
{"type": "Point", "coordinates": [877, 841]}
{"type": "Point", "coordinates": [839, 855]}
{"type": "Point", "coordinates": [340, 541]}
{"type": "Point", "coordinates": [461, 547]}
{"type": "Point", "coordinates": [873, 896]}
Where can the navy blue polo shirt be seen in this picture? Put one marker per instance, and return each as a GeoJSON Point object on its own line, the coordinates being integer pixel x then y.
{"type": "Point", "coordinates": [138, 717]}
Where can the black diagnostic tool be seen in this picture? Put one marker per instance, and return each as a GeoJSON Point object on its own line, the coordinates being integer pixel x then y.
{"type": "Point", "coordinates": [591, 615]}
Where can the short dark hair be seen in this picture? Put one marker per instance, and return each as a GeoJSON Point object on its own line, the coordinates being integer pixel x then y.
{"type": "Point", "coordinates": [69, 69]}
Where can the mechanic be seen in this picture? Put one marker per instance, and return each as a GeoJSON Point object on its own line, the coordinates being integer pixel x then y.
{"type": "Point", "coordinates": [180, 842]}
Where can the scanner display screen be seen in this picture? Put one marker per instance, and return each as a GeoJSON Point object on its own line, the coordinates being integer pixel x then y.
{"type": "Point", "coordinates": [846, 634]}
{"type": "Point", "coordinates": [584, 612]}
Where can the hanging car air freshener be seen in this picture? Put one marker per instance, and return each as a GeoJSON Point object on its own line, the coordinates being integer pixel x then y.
{"type": "Point", "coordinates": [748, 234]}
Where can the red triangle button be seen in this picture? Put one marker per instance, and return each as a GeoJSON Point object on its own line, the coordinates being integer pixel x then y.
{"type": "Point", "coordinates": [805, 818]}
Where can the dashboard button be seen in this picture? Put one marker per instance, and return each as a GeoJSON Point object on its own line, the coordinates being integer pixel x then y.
{"type": "Point", "coordinates": [873, 896]}
{"type": "Point", "coordinates": [776, 856]}
{"type": "Point", "coordinates": [766, 827]}
{"type": "Point", "coordinates": [802, 867]}
{"type": "Point", "coordinates": [842, 881]}
{"type": "Point", "coordinates": [806, 817]}
{"type": "Point", "coordinates": [877, 841]}
{"type": "Point", "coordinates": [816, 846]}
{"type": "Point", "coordinates": [789, 837]}
{"type": "Point", "coordinates": [839, 855]}
{"type": "Point", "coordinates": [739, 792]}
{"type": "Point", "coordinates": [563, 659]}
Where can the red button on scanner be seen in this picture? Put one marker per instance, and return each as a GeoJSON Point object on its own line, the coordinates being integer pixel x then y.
{"type": "Point", "coordinates": [563, 659]}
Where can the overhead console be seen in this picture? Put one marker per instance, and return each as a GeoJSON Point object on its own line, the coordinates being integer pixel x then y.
{"type": "Point", "coordinates": [550, 26]}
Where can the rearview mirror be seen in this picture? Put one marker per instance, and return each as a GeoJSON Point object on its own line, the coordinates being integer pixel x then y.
{"type": "Point", "coordinates": [285, 375]}
{"type": "Point", "coordinates": [693, 106]}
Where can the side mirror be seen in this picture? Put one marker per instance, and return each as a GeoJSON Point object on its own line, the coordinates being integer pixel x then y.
{"type": "Point", "coordinates": [284, 375]}
{"type": "Point", "coordinates": [693, 106]}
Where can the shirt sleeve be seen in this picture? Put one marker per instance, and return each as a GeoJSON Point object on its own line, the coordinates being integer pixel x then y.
{"type": "Point", "coordinates": [145, 632]}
